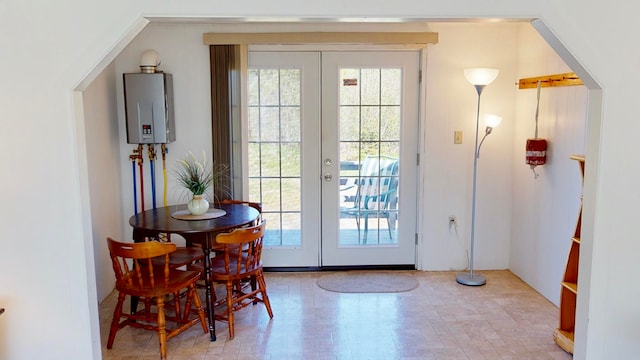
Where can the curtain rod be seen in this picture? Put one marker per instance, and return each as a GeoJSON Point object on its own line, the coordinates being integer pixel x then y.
{"type": "Point", "coordinates": [321, 37]}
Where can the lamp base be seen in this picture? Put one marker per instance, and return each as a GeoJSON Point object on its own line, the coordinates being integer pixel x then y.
{"type": "Point", "coordinates": [471, 280]}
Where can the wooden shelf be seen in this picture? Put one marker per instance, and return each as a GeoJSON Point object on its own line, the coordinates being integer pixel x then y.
{"type": "Point", "coordinates": [564, 339]}
{"type": "Point", "coordinates": [563, 335]}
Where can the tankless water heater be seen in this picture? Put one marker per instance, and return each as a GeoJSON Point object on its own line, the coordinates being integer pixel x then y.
{"type": "Point", "coordinates": [148, 101]}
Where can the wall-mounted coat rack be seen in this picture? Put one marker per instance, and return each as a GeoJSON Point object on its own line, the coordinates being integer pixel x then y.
{"type": "Point", "coordinates": [567, 79]}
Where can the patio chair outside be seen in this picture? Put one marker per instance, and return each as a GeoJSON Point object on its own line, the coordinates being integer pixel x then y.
{"type": "Point", "coordinates": [376, 193]}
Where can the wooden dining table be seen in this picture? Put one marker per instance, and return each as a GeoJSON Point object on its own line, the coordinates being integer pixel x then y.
{"type": "Point", "coordinates": [152, 223]}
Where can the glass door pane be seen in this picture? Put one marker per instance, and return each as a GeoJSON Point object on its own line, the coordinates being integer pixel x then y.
{"type": "Point", "coordinates": [369, 140]}
{"type": "Point", "coordinates": [274, 151]}
{"type": "Point", "coordinates": [282, 108]}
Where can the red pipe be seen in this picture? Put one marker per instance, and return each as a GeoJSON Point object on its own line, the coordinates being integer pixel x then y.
{"type": "Point", "coordinates": [133, 171]}
{"type": "Point", "coordinates": [140, 161]}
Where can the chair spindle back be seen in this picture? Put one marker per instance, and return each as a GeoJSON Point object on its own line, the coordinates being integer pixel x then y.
{"type": "Point", "coordinates": [243, 248]}
{"type": "Point", "coordinates": [139, 255]}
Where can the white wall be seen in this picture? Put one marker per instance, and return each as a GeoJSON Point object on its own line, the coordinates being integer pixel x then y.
{"type": "Point", "coordinates": [49, 49]}
{"type": "Point", "coordinates": [451, 105]}
{"type": "Point", "coordinates": [545, 210]}
{"type": "Point", "coordinates": [101, 129]}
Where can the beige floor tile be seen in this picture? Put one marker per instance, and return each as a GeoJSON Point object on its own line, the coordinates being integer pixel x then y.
{"type": "Point", "coordinates": [439, 320]}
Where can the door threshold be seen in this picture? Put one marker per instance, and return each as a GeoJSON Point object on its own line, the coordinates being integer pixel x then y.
{"type": "Point", "coordinates": [339, 268]}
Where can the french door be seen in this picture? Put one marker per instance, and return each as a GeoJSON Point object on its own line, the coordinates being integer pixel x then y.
{"type": "Point", "coordinates": [283, 92]}
{"type": "Point", "coordinates": [369, 140]}
{"type": "Point", "coordinates": [332, 144]}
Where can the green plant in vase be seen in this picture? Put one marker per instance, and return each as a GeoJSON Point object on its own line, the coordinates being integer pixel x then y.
{"type": "Point", "coordinates": [198, 176]}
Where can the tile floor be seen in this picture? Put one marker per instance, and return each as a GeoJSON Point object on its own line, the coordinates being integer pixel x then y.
{"type": "Point", "coordinates": [505, 319]}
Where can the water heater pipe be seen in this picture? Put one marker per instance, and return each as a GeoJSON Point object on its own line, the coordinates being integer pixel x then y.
{"type": "Point", "coordinates": [163, 151]}
{"type": "Point", "coordinates": [133, 172]}
{"type": "Point", "coordinates": [152, 155]}
{"type": "Point", "coordinates": [140, 161]}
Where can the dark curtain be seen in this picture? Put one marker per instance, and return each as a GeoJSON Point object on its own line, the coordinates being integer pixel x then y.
{"type": "Point", "coordinates": [225, 95]}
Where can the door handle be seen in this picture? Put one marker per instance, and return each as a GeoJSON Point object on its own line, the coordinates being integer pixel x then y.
{"type": "Point", "coordinates": [328, 177]}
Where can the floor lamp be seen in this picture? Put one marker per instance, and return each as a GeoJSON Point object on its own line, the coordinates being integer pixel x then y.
{"type": "Point", "coordinates": [479, 78]}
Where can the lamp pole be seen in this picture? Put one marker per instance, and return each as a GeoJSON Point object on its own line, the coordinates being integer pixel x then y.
{"type": "Point", "coordinates": [470, 278]}
{"type": "Point", "coordinates": [479, 78]}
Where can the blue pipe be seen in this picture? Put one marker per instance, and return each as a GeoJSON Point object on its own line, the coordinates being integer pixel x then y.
{"type": "Point", "coordinates": [153, 183]}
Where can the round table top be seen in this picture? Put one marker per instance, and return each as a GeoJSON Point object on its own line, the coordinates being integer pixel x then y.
{"type": "Point", "coordinates": [160, 220]}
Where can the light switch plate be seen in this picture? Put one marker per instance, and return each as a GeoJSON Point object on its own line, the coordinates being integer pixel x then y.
{"type": "Point", "coordinates": [457, 137]}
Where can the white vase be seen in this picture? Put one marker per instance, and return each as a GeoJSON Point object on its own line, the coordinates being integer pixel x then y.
{"type": "Point", "coordinates": [198, 205]}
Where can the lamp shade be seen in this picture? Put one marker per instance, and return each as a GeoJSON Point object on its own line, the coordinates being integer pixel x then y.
{"type": "Point", "coordinates": [492, 120]}
{"type": "Point", "coordinates": [481, 76]}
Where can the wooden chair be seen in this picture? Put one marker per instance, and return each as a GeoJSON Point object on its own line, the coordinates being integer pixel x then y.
{"type": "Point", "coordinates": [137, 275]}
{"type": "Point", "coordinates": [233, 266]}
{"type": "Point", "coordinates": [199, 266]}
{"type": "Point", "coordinates": [185, 256]}
{"type": "Point", "coordinates": [255, 205]}
{"type": "Point", "coordinates": [193, 254]}
{"type": "Point", "coordinates": [182, 256]}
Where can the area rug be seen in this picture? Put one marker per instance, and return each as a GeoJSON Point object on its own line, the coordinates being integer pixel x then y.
{"type": "Point", "coordinates": [368, 282]}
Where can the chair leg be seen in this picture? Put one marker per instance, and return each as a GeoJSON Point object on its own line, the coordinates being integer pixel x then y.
{"type": "Point", "coordinates": [176, 300]}
{"type": "Point", "coordinates": [254, 286]}
{"type": "Point", "coordinates": [162, 331]}
{"type": "Point", "coordinates": [230, 308]}
{"type": "Point", "coordinates": [366, 228]}
{"type": "Point", "coordinates": [263, 289]}
{"type": "Point", "coordinates": [196, 301]}
{"type": "Point", "coordinates": [214, 297]}
{"type": "Point", "coordinates": [238, 286]}
{"type": "Point", "coordinates": [115, 322]}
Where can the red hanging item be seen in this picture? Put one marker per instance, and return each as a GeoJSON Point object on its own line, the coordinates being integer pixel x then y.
{"type": "Point", "coordinates": [536, 149]}
{"type": "Point", "coordinates": [536, 153]}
